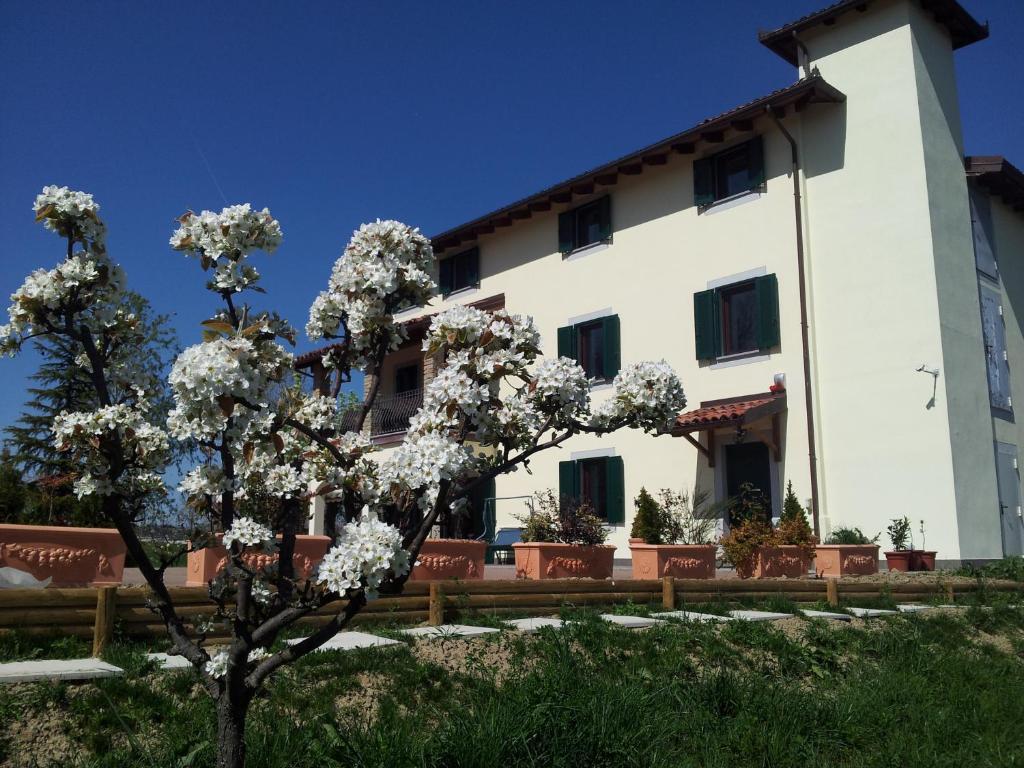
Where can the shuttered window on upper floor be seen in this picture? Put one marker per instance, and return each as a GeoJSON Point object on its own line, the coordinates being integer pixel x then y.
{"type": "Point", "coordinates": [728, 173]}
{"type": "Point", "coordinates": [594, 344]}
{"type": "Point", "coordinates": [994, 335]}
{"type": "Point", "coordinates": [586, 225]}
{"type": "Point", "coordinates": [981, 229]}
{"type": "Point", "coordinates": [459, 271]}
{"type": "Point", "coordinates": [736, 319]}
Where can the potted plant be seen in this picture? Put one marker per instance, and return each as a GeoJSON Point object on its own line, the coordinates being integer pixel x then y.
{"type": "Point", "coordinates": [563, 538]}
{"type": "Point", "coordinates": [673, 536]}
{"type": "Point", "coordinates": [757, 549]}
{"type": "Point", "coordinates": [847, 552]}
{"type": "Point", "coordinates": [922, 559]}
{"type": "Point", "coordinates": [454, 553]}
{"type": "Point", "coordinates": [899, 534]}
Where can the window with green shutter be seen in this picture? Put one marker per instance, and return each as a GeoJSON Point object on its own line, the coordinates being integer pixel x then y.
{"type": "Point", "coordinates": [459, 271]}
{"type": "Point", "coordinates": [599, 482]}
{"type": "Point", "coordinates": [737, 319]}
{"type": "Point", "coordinates": [595, 345]}
{"type": "Point", "coordinates": [728, 173]}
{"type": "Point", "coordinates": [586, 225]}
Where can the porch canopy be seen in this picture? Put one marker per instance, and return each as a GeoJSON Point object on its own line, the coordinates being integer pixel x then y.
{"type": "Point", "coordinates": [738, 413]}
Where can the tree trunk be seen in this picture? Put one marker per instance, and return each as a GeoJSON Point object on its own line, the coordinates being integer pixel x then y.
{"type": "Point", "coordinates": [231, 713]}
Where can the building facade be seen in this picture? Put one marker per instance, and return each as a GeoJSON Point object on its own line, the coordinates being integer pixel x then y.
{"type": "Point", "coordinates": [839, 289]}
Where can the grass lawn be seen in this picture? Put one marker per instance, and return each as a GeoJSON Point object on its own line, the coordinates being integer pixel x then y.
{"type": "Point", "coordinates": [938, 689]}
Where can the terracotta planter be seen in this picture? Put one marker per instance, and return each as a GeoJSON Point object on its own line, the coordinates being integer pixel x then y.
{"type": "Point", "coordinates": [846, 559]}
{"type": "Point", "coordinates": [541, 560]}
{"type": "Point", "coordinates": [450, 559]}
{"type": "Point", "coordinates": [922, 560]}
{"type": "Point", "coordinates": [205, 564]}
{"type": "Point", "coordinates": [898, 560]}
{"type": "Point", "coordinates": [683, 561]}
{"type": "Point", "coordinates": [68, 556]}
{"type": "Point", "coordinates": [787, 560]}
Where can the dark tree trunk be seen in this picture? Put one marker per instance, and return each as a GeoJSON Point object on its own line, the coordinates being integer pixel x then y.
{"type": "Point", "coordinates": [231, 714]}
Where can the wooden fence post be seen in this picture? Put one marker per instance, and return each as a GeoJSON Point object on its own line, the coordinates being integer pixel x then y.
{"type": "Point", "coordinates": [668, 593]}
{"type": "Point", "coordinates": [832, 592]}
{"type": "Point", "coordinates": [106, 612]}
{"type": "Point", "coordinates": [436, 604]}
{"type": "Point", "coordinates": [949, 592]}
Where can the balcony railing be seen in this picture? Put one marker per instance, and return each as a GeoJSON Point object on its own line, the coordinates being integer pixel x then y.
{"type": "Point", "coordinates": [391, 414]}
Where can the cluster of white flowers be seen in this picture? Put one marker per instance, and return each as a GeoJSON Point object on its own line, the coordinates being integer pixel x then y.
{"type": "Point", "coordinates": [143, 446]}
{"type": "Point", "coordinates": [206, 480]}
{"type": "Point", "coordinates": [71, 214]}
{"type": "Point", "coordinates": [204, 374]}
{"type": "Point", "coordinates": [420, 464]}
{"type": "Point", "coordinates": [648, 394]}
{"type": "Point", "coordinates": [223, 239]}
{"type": "Point", "coordinates": [367, 551]}
{"type": "Point", "coordinates": [248, 533]}
{"type": "Point", "coordinates": [515, 421]}
{"type": "Point", "coordinates": [284, 481]}
{"type": "Point", "coordinates": [385, 268]}
{"type": "Point", "coordinates": [217, 666]}
{"type": "Point", "coordinates": [486, 345]}
{"type": "Point", "coordinates": [561, 385]}
{"type": "Point", "coordinates": [318, 412]}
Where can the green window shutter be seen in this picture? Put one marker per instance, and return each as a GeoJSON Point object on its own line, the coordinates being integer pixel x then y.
{"type": "Point", "coordinates": [446, 275]}
{"type": "Point", "coordinates": [615, 486]}
{"type": "Point", "coordinates": [605, 211]}
{"type": "Point", "coordinates": [767, 289]}
{"type": "Point", "coordinates": [473, 267]}
{"type": "Point", "coordinates": [567, 341]}
{"type": "Point", "coordinates": [612, 347]}
{"type": "Point", "coordinates": [755, 157]}
{"type": "Point", "coordinates": [703, 181]}
{"type": "Point", "coordinates": [706, 326]}
{"type": "Point", "coordinates": [568, 480]}
{"type": "Point", "coordinates": [566, 231]}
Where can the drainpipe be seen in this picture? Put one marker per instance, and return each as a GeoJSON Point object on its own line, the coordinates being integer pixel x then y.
{"type": "Point", "coordinates": [804, 338]}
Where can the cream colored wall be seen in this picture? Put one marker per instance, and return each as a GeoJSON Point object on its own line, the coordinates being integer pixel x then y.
{"type": "Point", "coordinates": [662, 253]}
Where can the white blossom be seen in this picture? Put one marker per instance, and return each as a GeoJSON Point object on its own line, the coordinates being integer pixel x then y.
{"type": "Point", "coordinates": [561, 384]}
{"type": "Point", "coordinates": [217, 666]}
{"type": "Point", "coordinates": [71, 213]}
{"type": "Point", "coordinates": [367, 551]}
{"type": "Point", "coordinates": [421, 462]}
{"type": "Point", "coordinates": [248, 533]}
{"type": "Point", "coordinates": [649, 394]}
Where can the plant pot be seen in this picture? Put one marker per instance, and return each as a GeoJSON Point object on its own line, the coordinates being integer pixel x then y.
{"type": "Point", "coordinates": [69, 556]}
{"type": "Point", "coordinates": [898, 560]}
{"type": "Point", "coordinates": [787, 560]}
{"type": "Point", "coordinates": [682, 561]}
{"type": "Point", "coordinates": [543, 560]}
{"type": "Point", "coordinates": [450, 559]}
{"type": "Point", "coordinates": [205, 564]}
{"type": "Point", "coordinates": [922, 560]}
{"type": "Point", "coordinates": [846, 559]}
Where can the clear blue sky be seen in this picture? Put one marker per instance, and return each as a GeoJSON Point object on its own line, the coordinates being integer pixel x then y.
{"type": "Point", "coordinates": [334, 113]}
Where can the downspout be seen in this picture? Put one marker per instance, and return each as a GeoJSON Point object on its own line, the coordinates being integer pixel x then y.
{"type": "Point", "coordinates": [812, 455]}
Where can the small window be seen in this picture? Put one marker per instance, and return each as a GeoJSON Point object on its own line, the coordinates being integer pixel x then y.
{"type": "Point", "coordinates": [600, 482]}
{"type": "Point", "coordinates": [739, 319]}
{"type": "Point", "coordinates": [593, 344]}
{"type": "Point", "coordinates": [407, 379]}
{"type": "Point", "coordinates": [736, 319]}
{"type": "Point", "coordinates": [586, 225]}
{"type": "Point", "coordinates": [730, 172]}
{"type": "Point", "coordinates": [459, 271]}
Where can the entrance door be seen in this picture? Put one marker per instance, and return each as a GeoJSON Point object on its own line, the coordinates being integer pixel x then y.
{"type": "Point", "coordinates": [1008, 478]}
{"type": "Point", "coordinates": [748, 463]}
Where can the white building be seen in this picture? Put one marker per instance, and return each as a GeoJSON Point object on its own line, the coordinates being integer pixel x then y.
{"type": "Point", "coordinates": [832, 232]}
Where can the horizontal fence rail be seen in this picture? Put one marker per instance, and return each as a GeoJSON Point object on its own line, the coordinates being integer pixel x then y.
{"type": "Point", "coordinates": [97, 612]}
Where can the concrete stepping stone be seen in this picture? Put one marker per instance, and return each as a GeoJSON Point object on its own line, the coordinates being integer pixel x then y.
{"type": "Point", "coordinates": [630, 622]}
{"type": "Point", "coordinates": [350, 641]}
{"type": "Point", "coordinates": [868, 613]}
{"type": "Point", "coordinates": [911, 608]}
{"type": "Point", "coordinates": [530, 626]}
{"type": "Point", "coordinates": [448, 630]}
{"type": "Point", "coordinates": [57, 669]}
{"type": "Point", "coordinates": [830, 615]}
{"type": "Point", "coordinates": [759, 615]}
{"type": "Point", "coordinates": [693, 616]}
{"type": "Point", "coordinates": [167, 661]}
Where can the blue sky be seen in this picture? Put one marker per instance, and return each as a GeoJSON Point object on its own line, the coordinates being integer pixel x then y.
{"type": "Point", "coordinates": [332, 114]}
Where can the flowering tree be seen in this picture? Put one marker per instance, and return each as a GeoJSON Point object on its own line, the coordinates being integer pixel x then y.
{"type": "Point", "coordinates": [234, 401]}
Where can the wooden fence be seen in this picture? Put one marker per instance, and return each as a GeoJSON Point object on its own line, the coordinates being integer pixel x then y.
{"type": "Point", "coordinates": [96, 612]}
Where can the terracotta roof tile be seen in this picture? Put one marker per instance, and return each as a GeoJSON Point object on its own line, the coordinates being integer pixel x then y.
{"type": "Point", "coordinates": [725, 413]}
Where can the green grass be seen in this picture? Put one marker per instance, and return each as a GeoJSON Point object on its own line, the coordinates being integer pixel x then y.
{"type": "Point", "coordinates": [911, 691]}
